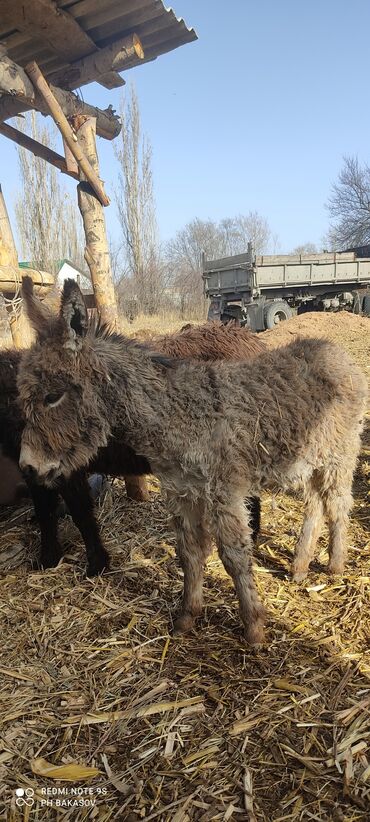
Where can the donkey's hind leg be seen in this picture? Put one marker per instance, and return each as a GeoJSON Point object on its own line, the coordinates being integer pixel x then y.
{"type": "Point", "coordinates": [337, 497]}
{"type": "Point", "coordinates": [137, 488]}
{"type": "Point", "coordinates": [253, 505]}
{"type": "Point", "coordinates": [338, 503]}
{"type": "Point", "coordinates": [311, 529]}
{"type": "Point", "coordinates": [230, 523]}
{"type": "Point", "coordinates": [192, 548]}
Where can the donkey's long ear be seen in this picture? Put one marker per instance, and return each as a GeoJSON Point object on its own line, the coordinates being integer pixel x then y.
{"type": "Point", "coordinates": [73, 314]}
{"type": "Point", "coordinates": [38, 314]}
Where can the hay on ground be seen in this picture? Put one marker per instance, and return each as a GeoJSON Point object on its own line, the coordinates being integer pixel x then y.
{"type": "Point", "coordinates": [196, 728]}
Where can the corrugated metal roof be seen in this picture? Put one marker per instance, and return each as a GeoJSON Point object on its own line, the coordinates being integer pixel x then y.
{"type": "Point", "coordinates": [104, 21]}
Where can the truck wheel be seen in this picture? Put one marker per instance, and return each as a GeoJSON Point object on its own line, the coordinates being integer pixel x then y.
{"type": "Point", "coordinates": [277, 312]}
{"type": "Point", "coordinates": [366, 305]}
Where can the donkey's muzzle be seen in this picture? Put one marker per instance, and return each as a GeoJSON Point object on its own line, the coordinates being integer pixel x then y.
{"type": "Point", "coordinates": [37, 470]}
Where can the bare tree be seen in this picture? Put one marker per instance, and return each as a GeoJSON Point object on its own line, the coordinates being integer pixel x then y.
{"type": "Point", "coordinates": [184, 253]}
{"type": "Point", "coordinates": [305, 248]}
{"type": "Point", "coordinates": [229, 236]}
{"type": "Point", "coordinates": [48, 221]}
{"type": "Point", "coordinates": [254, 228]}
{"type": "Point", "coordinates": [349, 206]}
{"type": "Point", "coordinates": [143, 267]}
{"type": "Point", "coordinates": [217, 239]}
{"type": "Point", "coordinates": [186, 248]}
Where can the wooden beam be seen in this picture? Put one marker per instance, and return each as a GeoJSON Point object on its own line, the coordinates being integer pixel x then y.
{"type": "Point", "coordinates": [15, 322]}
{"type": "Point", "coordinates": [38, 149]}
{"type": "Point", "coordinates": [55, 27]}
{"type": "Point", "coordinates": [39, 82]}
{"type": "Point", "coordinates": [20, 96]}
{"type": "Point", "coordinates": [11, 277]}
{"type": "Point", "coordinates": [97, 249]}
{"type": "Point", "coordinates": [13, 79]}
{"type": "Point", "coordinates": [116, 55]}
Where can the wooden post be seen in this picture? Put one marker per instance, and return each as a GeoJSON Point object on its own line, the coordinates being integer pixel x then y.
{"type": "Point", "coordinates": [71, 161]}
{"type": "Point", "coordinates": [8, 251]}
{"type": "Point", "coordinates": [5, 333]}
{"type": "Point", "coordinates": [8, 257]}
{"type": "Point", "coordinates": [98, 259]}
{"type": "Point", "coordinates": [97, 249]}
{"type": "Point", "coordinates": [15, 331]}
{"type": "Point", "coordinates": [18, 327]}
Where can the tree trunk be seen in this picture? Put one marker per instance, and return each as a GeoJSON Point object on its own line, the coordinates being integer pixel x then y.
{"type": "Point", "coordinates": [97, 250]}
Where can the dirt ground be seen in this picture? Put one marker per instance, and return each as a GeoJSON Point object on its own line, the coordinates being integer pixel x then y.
{"type": "Point", "coordinates": [187, 729]}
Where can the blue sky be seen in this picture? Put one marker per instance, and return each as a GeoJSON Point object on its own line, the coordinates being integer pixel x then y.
{"type": "Point", "coordinates": [255, 115]}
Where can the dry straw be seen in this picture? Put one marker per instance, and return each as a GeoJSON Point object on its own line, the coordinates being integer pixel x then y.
{"type": "Point", "coordinates": [199, 728]}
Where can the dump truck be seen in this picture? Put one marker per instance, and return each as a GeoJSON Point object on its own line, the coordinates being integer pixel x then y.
{"type": "Point", "coordinates": [261, 291]}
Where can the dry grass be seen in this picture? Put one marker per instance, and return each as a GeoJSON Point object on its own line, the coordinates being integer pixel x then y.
{"type": "Point", "coordinates": [199, 728]}
{"type": "Point", "coordinates": [145, 326]}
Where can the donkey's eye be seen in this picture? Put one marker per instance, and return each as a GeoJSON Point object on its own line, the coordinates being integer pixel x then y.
{"type": "Point", "coordinates": [54, 398]}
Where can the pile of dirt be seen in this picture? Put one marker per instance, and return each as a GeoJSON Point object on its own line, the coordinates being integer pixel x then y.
{"type": "Point", "coordinates": [348, 330]}
{"type": "Point", "coordinates": [339, 327]}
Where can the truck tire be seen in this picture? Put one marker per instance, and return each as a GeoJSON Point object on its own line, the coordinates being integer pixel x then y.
{"type": "Point", "coordinates": [366, 305]}
{"type": "Point", "coordinates": [276, 312]}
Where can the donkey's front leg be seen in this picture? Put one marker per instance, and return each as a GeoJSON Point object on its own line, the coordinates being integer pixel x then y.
{"type": "Point", "coordinates": [45, 501]}
{"type": "Point", "coordinates": [77, 495]}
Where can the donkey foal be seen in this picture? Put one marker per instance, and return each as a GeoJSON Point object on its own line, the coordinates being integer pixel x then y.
{"type": "Point", "coordinates": [214, 434]}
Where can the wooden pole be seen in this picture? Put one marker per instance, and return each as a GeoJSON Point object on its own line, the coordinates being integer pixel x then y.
{"type": "Point", "coordinates": [97, 249]}
{"type": "Point", "coordinates": [39, 82]}
{"type": "Point", "coordinates": [18, 328]}
{"type": "Point", "coordinates": [9, 257]}
{"type": "Point", "coordinates": [39, 150]}
{"type": "Point", "coordinates": [8, 251]}
{"type": "Point", "coordinates": [5, 332]}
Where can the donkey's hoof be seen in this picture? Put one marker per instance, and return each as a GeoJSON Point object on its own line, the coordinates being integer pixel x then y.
{"type": "Point", "coordinates": [255, 634]}
{"type": "Point", "coordinates": [299, 574]}
{"type": "Point", "coordinates": [183, 624]}
{"type": "Point", "coordinates": [335, 568]}
{"type": "Point", "coordinates": [47, 561]}
{"type": "Point", "coordinates": [97, 565]}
